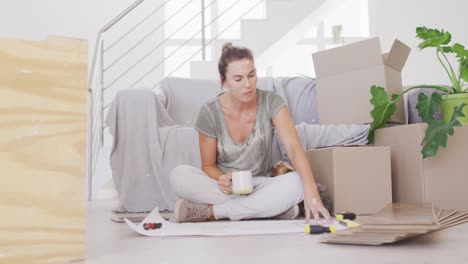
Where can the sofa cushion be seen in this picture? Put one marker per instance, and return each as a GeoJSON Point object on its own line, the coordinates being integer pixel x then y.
{"type": "Point", "coordinates": [184, 97]}
{"type": "Point", "coordinates": [300, 94]}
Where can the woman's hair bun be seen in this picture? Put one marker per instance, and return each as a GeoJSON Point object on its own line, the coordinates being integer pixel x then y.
{"type": "Point", "coordinates": [226, 46]}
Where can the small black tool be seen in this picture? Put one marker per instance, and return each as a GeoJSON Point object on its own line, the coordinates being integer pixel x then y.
{"type": "Point", "coordinates": [345, 215]}
{"type": "Point", "coordinates": [318, 229]}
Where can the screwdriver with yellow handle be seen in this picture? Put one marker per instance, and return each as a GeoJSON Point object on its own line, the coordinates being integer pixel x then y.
{"type": "Point", "coordinates": [344, 218]}
{"type": "Point", "coordinates": [345, 215]}
{"type": "Point", "coordinates": [318, 229]}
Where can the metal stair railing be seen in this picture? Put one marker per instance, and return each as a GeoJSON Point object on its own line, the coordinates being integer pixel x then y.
{"type": "Point", "coordinates": [95, 95]}
{"type": "Point", "coordinates": [97, 86]}
{"type": "Point", "coordinates": [209, 42]}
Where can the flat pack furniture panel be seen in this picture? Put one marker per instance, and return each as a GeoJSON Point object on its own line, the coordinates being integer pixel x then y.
{"type": "Point", "coordinates": [43, 105]}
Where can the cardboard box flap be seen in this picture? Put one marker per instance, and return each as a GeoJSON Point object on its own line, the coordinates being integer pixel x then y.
{"type": "Point", "coordinates": [348, 58]}
{"type": "Point", "coordinates": [397, 56]}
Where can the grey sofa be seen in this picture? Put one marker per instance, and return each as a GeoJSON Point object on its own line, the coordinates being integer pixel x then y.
{"type": "Point", "coordinates": [152, 134]}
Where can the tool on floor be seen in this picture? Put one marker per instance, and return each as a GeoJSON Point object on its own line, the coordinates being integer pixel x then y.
{"type": "Point", "coordinates": [348, 223]}
{"type": "Point", "coordinates": [345, 215]}
{"type": "Point", "coordinates": [148, 226]}
{"type": "Point", "coordinates": [318, 229]}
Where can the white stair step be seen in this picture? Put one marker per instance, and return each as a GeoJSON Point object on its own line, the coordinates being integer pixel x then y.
{"type": "Point", "coordinates": [276, 25]}
{"type": "Point", "coordinates": [296, 34]}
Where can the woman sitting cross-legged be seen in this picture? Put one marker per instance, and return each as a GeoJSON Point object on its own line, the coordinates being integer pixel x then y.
{"type": "Point", "coordinates": [235, 134]}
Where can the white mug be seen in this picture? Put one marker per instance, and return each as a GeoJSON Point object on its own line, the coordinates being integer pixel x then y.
{"type": "Point", "coordinates": [242, 182]}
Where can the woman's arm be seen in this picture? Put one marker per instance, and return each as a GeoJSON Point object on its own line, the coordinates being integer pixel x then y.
{"type": "Point", "coordinates": [208, 156]}
{"type": "Point", "coordinates": [287, 132]}
{"type": "Point", "coordinates": [208, 163]}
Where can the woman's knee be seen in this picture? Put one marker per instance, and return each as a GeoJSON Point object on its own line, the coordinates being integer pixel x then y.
{"type": "Point", "coordinates": [179, 176]}
{"type": "Point", "coordinates": [292, 182]}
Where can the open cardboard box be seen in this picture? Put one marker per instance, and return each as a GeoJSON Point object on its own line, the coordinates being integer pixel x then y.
{"type": "Point", "coordinates": [442, 180]}
{"type": "Point", "coordinates": [358, 179]}
{"type": "Point", "coordinates": [345, 75]}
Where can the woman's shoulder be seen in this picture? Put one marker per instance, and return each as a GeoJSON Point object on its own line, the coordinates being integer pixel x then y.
{"type": "Point", "coordinates": [211, 103]}
{"type": "Point", "coordinates": [211, 106]}
{"type": "Point", "coordinates": [268, 95]}
{"type": "Point", "coordinates": [266, 92]}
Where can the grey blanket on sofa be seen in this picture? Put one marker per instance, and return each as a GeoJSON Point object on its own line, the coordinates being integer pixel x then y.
{"type": "Point", "coordinates": [314, 136]}
{"type": "Point", "coordinates": [146, 146]}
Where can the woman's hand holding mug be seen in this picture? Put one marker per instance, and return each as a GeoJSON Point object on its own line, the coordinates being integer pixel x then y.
{"type": "Point", "coordinates": [225, 182]}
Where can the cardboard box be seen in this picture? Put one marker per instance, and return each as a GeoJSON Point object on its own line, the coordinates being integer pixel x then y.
{"type": "Point", "coordinates": [345, 75]}
{"type": "Point", "coordinates": [358, 179]}
{"type": "Point", "coordinates": [442, 180]}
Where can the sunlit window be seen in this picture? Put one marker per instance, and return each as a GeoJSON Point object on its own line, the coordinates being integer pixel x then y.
{"type": "Point", "coordinates": [345, 23]}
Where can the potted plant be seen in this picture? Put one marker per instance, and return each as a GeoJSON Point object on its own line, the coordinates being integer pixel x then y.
{"type": "Point", "coordinates": [451, 102]}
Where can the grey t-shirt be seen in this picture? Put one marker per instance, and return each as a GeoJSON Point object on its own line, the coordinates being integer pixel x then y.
{"type": "Point", "coordinates": [254, 153]}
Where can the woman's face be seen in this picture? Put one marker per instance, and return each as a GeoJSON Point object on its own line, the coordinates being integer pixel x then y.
{"type": "Point", "coordinates": [241, 80]}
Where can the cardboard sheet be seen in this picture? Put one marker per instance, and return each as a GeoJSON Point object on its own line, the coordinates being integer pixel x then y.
{"type": "Point", "coordinates": [447, 213]}
{"type": "Point", "coordinates": [221, 228]}
{"type": "Point", "coordinates": [404, 214]}
{"type": "Point", "coordinates": [396, 222]}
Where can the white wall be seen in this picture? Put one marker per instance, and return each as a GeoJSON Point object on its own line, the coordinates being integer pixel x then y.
{"type": "Point", "coordinates": [391, 19]}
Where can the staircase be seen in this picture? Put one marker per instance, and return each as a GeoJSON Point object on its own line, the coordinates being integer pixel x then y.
{"type": "Point", "coordinates": [260, 35]}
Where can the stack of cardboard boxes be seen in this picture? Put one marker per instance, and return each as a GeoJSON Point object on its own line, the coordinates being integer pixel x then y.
{"type": "Point", "coordinates": [365, 179]}
{"type": "Point", "coordinates": [442, 180]}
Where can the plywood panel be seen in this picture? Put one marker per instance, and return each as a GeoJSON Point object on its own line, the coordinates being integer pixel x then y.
{"type": "Point", "coordinates": [43, 104]}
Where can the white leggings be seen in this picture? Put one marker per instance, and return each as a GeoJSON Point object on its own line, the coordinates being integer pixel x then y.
{"type": "Point", "coordinates": [272, 195]}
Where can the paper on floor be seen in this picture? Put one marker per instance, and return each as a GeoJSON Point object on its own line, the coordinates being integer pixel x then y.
{"type": "Point", "coordinates": [220, 228]}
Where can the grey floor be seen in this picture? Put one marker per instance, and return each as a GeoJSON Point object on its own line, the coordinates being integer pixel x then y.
{"type": "Point", "coordinates": [109, 242]}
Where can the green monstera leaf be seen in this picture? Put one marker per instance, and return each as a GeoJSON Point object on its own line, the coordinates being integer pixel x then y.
{"type": "Point", "coordinates": [438, 131]}
{"type": "Point", "coordinates": [462, 54]}
{"type": "Point", "coordinates": [464, 69]}
{"type": "Point", "coordinates": [459, 50]}
{"type": "Point", "coordinates": [432, 37]}
{"type": "Point", "coordinates": [384, 108]}
{"type": "Point", "coordinates": [428, 106]}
